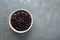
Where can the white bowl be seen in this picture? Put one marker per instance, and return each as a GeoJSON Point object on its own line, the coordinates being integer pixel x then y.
{"type": "Point", "coordinates": [14, 28]}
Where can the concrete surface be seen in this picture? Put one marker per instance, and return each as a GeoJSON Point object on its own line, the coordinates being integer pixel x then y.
{"type": "Point", "coordinates": [46, 15]}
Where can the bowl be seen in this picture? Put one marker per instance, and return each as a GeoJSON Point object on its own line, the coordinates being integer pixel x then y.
{"type": "Point", "coordinates": [23, 30]}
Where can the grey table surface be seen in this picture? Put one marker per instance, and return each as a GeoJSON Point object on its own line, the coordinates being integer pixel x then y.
{"type": "Point", "coordinates": [46, 17]}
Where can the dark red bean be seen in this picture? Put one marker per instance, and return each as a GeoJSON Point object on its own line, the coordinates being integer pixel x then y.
{"type": "Point", "coordinates": [21, 20]}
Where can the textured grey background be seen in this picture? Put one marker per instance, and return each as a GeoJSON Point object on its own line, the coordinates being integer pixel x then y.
{"type": "Point", "coordinates": [46, 15]}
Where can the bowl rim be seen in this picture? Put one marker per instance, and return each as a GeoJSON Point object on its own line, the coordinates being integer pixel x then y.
{"type": "Point", "coordinates": [14, 28]}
